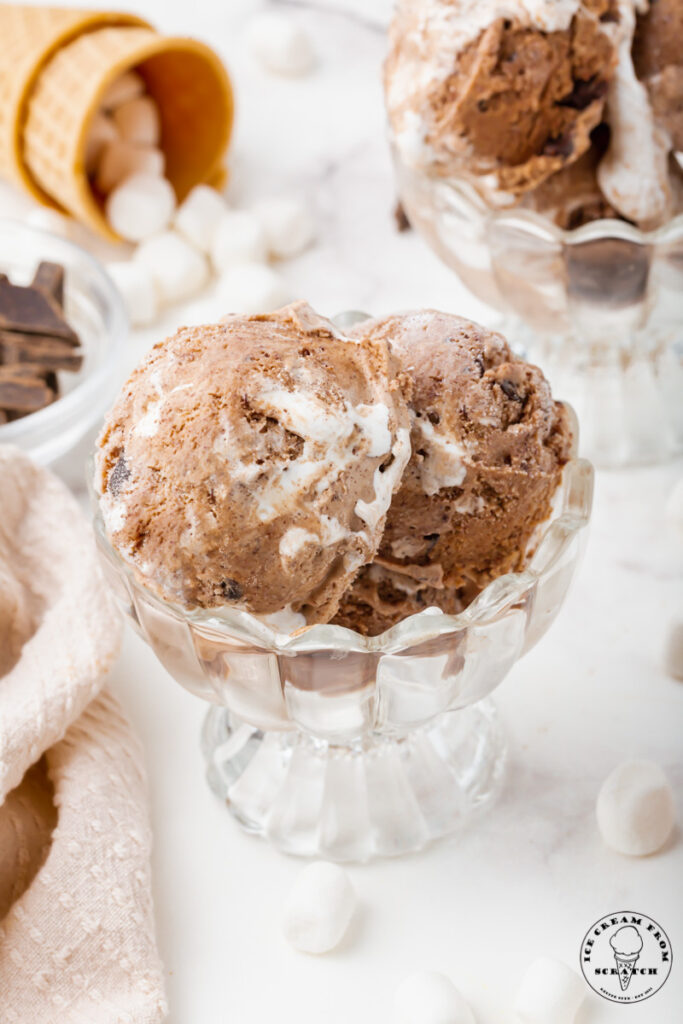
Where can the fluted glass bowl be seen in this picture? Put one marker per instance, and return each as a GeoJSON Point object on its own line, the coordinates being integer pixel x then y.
{"type": "Point", "coordinates": [600, 308]}
{"type": "Point", "coordinates": [337, 745]}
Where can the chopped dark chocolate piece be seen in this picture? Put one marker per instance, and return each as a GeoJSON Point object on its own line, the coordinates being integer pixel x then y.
{"type": "Point", "coordinates": [31, 311]}
{"type": "Point", "coordinates": [42, 350]}
{"type": "Point", "coordinates": [23, 390]}
{"type": "Point", "coordinates": [49, 278]}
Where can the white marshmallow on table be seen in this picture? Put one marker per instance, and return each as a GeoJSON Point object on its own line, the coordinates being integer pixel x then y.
{"type": "Point", "coordinates": [635, 808]}
{"type": "Point", "coordinates": [138, 291]}
{"type": "Point", "coordinates": [49, 220]}
{"type": "Point", "coordinates": [238, 238]}
{"type": "Point", "coordinates": [428, 997]}
{"type": "Point", "coordinates": [251, 288]}
{"type": "Point", "coordinates": [126, 87]}
{"type": "Point", "coordinates": [674, 508]}
{"type": "Point", "coordinates": [550, 993]}
{"type": "Point", "coordinates": [673, 650]}
{"type": "Point", "coordinates": [287, 224]}
{"type": "Point", "coordinates": [280, 44]}
{"type": "Point", "coordinates": [102, 132]}
{"type": "Point", "coordinates": [119, 160]}
{"type": "Point", "coordinates": [178, 270]}
{"type": "Point", "coordinates": [138, 121]}
{"type": "Point", "coordinates": [319, 908]}
{"type": "Point", "coordinates": [198, 216]}
{"type": "Point", "coordinates": [140, 207]}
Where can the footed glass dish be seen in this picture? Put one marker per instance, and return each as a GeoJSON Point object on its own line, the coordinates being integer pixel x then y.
{"type": "Point", "coordinates": [599, 307]}
{"type": "Point", "coordinates": [335, 745]}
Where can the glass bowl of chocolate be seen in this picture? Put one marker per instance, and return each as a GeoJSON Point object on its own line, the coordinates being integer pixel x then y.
{"type": "Point", "coordinates": [62, 326]}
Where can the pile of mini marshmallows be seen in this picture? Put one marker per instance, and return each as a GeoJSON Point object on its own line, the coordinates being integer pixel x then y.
{"type": "Point", "coordinates": [180, 249]}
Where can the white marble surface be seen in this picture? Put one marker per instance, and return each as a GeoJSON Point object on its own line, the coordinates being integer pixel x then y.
{"type": "Point", "coordinates": [533, 875]}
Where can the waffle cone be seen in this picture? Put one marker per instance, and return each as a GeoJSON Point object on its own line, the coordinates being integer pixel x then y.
{"type": "Point", "coordinates": [187, 80]}
{"type": "Point", "coordinates": [29, 37]}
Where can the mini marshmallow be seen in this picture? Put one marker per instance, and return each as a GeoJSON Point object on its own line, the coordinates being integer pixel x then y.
{"type": "Point", "coordinates": [635, 808]}
{"type": "Point", "coordinates": [49, 220]}
{"type": "Point", "coordinates": [252, 288]}
{"type": "Point", "coordinates": [119, 160]}
{"type": "Point", "coordinates": [287, 224]}
{"type": "Point", "coordinates": [199, 215]}
{"type": "Point", "coordinates": [550, 993]}
{"type": "Point", "coordinates": [138, 121]}
{"type": "Point", "coordinates": [138, 290]}
{"type": "Point", "coordinates": [126, 87]}
{"type": "Point", "coordinates": [178, 270]}
{"type": "Point", "coordinates": [140, 207]}
{"type": "Point", "coordinates": [428, 997]}
{"type": "Point", "coordinates": [674, 508]}
{"type": "Point", "coordinates": [280, 44]}
{"type": "Point", "coordinates": [238, 238]}
{"type": "Point", "coordinates": [319, 908]}
{"type": "Point", "coordinates": [673, 650]}
{"type": "Point", "coordinates": [101, 133]}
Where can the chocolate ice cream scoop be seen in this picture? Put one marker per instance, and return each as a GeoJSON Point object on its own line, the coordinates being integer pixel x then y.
{"type": "Point", "coordinates": [507, 93]}
{"type": "Point", "coordinates": [489, 444]}
{"type": "Point", "coordinates": [251, 463]}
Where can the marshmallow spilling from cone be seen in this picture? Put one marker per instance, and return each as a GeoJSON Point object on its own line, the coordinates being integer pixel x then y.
{"type": "Point", "coordinates": [180, 249]}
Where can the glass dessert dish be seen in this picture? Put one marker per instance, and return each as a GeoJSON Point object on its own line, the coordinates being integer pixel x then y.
{"type": "Point", "coordinates": [336, 745]}
{"type": "Point", "coordinates": [598, 307]}
{"type": "Point", "coordinates": [95, 310]}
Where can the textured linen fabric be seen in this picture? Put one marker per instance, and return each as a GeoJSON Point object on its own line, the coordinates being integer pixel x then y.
{"type": "Point", "coordinates": [77, 941]}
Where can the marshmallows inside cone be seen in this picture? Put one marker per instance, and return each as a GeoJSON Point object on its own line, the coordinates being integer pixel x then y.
{"type": "Point", "coordinates": [262, 463]}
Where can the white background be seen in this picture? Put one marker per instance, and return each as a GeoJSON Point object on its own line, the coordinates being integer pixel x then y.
{"type": "Point", "coordinates": [533, 875]}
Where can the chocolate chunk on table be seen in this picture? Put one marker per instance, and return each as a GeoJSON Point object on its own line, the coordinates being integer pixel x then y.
{"type": "Point", "coordinates": [49, 278]}
{"type": "Point", "coordinates": [53, 353]}
{"type": "Point", "coordinates": [32, 311]}
{"type": "Point", "coordinates": [26, 388]}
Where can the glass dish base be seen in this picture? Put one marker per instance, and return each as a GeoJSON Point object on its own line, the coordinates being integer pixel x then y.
{"type": "Point", "coordinates": [380, 797]}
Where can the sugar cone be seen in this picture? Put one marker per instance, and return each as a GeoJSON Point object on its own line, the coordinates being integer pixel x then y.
{"type": "Point", "coordinates": [29, 37]}
{"type": "Point", "coordinates": [187, 80]}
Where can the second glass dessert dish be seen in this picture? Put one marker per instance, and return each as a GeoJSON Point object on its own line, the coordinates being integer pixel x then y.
{"type": "Point", "coordinates": [343, 542]}
{"type": "Point", "coordinates": [539, 150]}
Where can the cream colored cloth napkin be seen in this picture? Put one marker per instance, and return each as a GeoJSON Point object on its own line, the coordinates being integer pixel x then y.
{"type": "Point", "coordinates": [77, 939]}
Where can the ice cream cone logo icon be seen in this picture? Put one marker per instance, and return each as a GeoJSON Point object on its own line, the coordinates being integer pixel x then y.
{"type": "Point", "coordinates": [627, 944]}
{"type": "Point", "coordinates": [626, 957]}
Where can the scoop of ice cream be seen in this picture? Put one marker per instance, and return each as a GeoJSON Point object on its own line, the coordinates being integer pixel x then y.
{"type": "Point", "coordinates": [506, 92]}
{"type": "Point", "coordinates": [626, 940]}
{"type": "Point", "coordinates": [489, 444]}
{"type": "Point", "coordinates": [251, 463]}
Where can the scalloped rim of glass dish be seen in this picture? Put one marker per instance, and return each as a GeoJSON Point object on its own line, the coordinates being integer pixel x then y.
{"type": "Point", "coordinates": [573, 514]}
{"type": "Point", "coordinates": [77, 403]}
{"type": "Point", "coordinates": [542, 226]}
